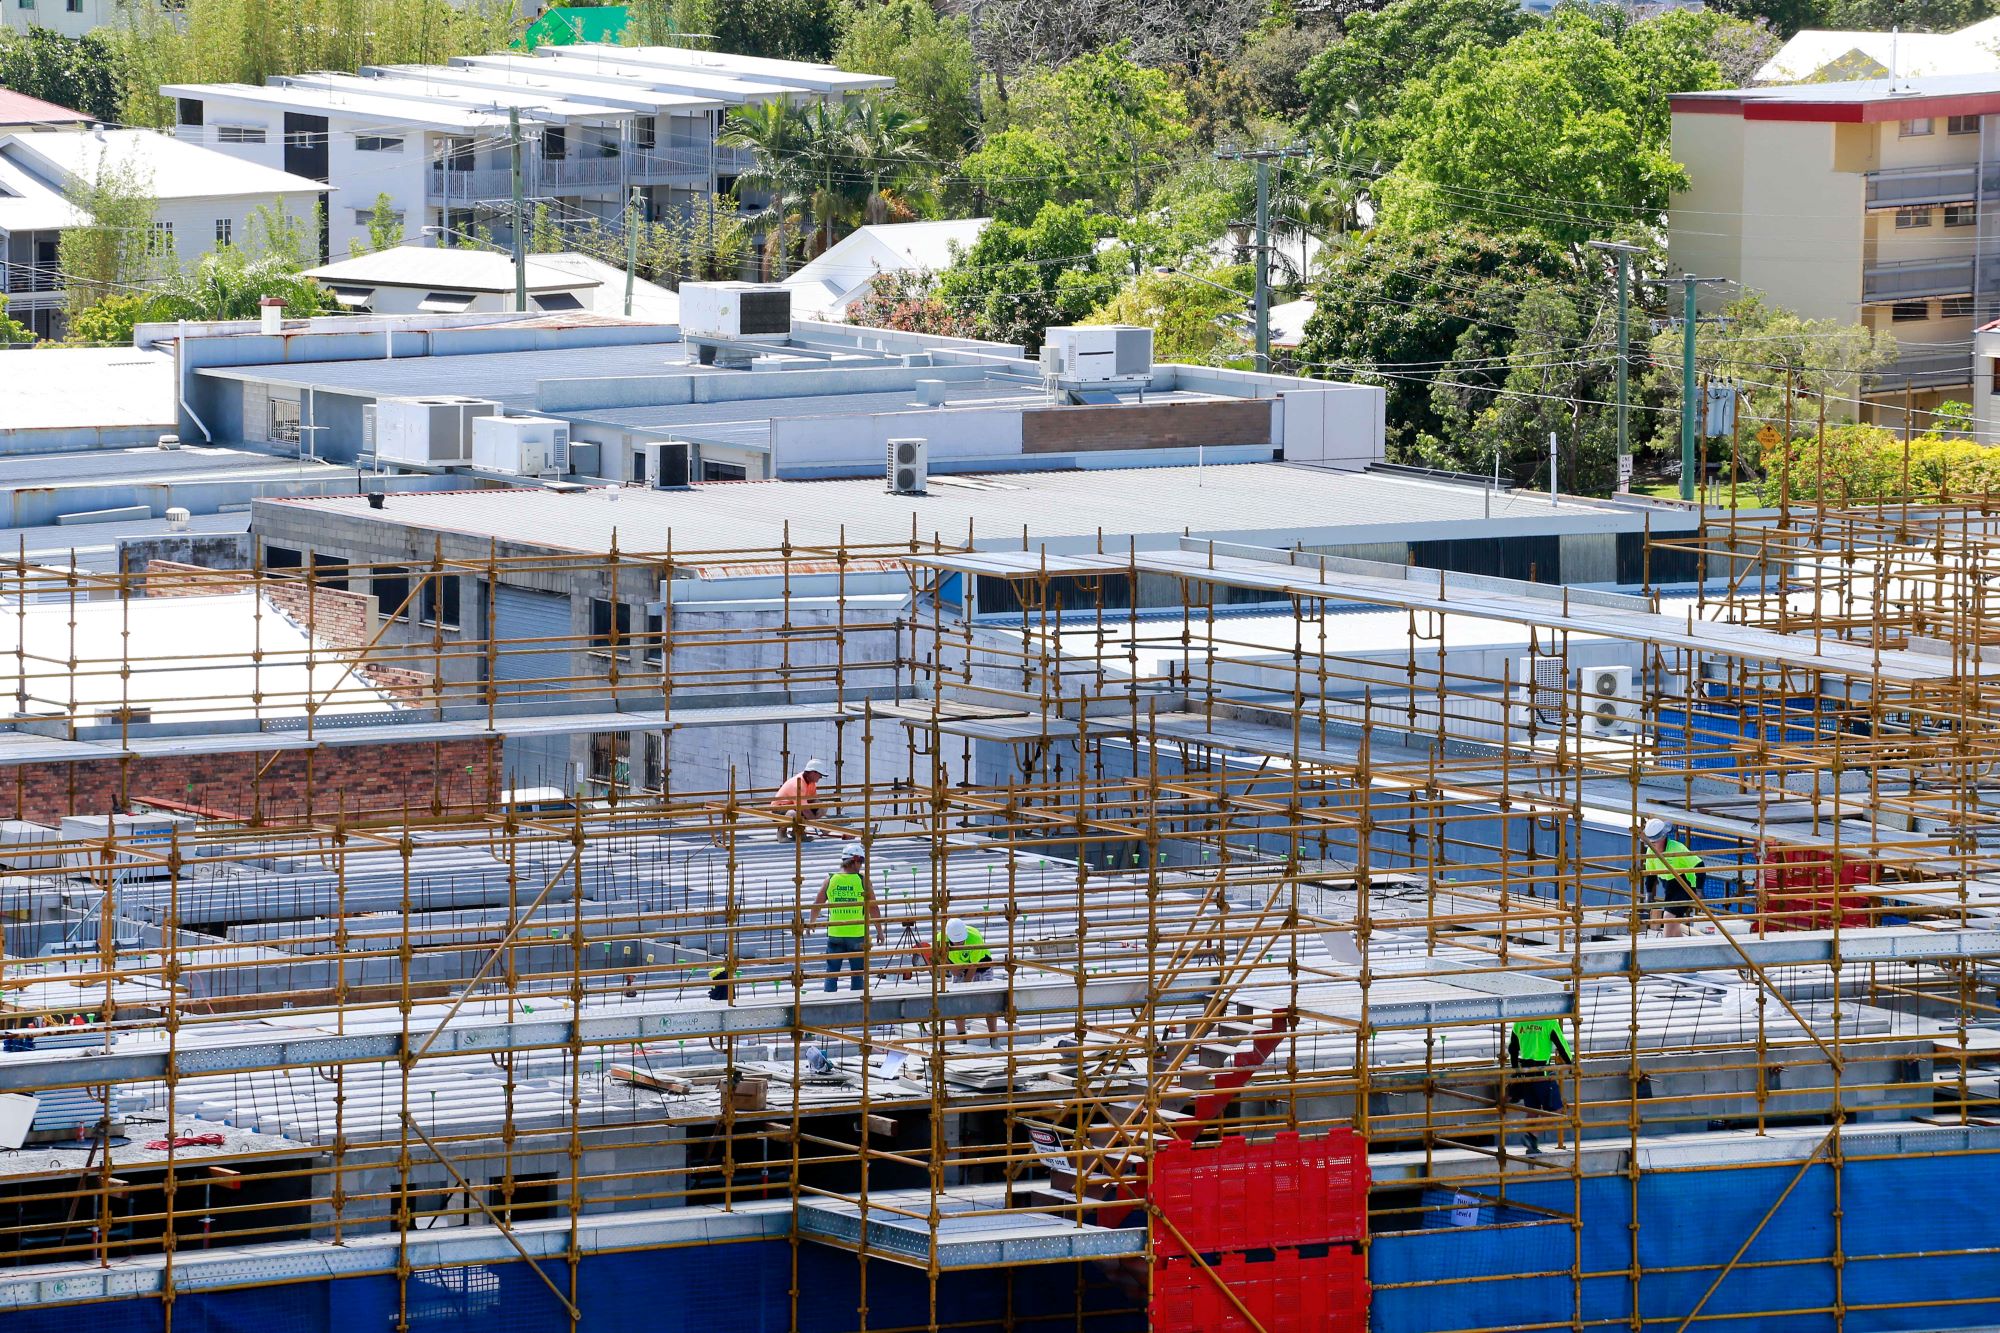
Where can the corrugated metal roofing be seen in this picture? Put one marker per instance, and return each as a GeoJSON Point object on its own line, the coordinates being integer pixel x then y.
{"type": "Point", "coordinates": [1276, 501]}
{"type": "Point", "coordinates": [506, 377]}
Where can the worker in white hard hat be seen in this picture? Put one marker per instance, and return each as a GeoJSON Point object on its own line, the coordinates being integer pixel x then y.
{"type": "Point", "coordinates": [967, 959]}
{"type": "Point", "coordinates": [1673, 875]}
{"type": "Point", "coordinates": [797, 801]}
{"type": "Point", "coordinates": [849, 900]}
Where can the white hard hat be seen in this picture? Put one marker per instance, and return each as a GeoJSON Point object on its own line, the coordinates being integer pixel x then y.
{"type": "Point", "coordinates": [956, 931]}
{"type": "Point", "coordinates": [851, 851]}
{"type": "Point", "coordinates": [814, 766]}
{"type": "Point", "coordinates": [1656, 828]}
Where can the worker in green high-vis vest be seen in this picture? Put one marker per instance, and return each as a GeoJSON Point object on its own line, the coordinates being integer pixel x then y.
{"type": "Point", "coordinates": [1673, 874]}
{"type": "Point", "coordinates": [1532, 1046]}
{"type": "Point", "coordinates": [849, 900]}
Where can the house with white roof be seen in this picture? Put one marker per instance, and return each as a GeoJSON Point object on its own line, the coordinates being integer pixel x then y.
{"type": "Point", "coordinates": [412, 279]}
{"type": "Point", "coordinates": [829, 286]}
{"type": "Point", "coordinates": [1817, 55]}
{"type": "Point", "coordinates": [203, 200]}
{"type": "Point", "coordinates": [600, 127]}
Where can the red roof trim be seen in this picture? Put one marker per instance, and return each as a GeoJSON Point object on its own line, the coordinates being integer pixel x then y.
{"type": "Point", "coordinates": [1873, 111]}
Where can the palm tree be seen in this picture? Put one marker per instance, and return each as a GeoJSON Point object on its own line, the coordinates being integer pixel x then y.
{"type": "Point", "coordinates": [774, 134]}
{"type": "Point", "coordinates": [884, 144]}
{"type": "Point", "coordinates": [830, 166]}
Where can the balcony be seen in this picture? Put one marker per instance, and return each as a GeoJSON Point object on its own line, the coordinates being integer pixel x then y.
{"type": "Point", "coordinates": [465, 186]}
{"type": "Point", "coordinates": [23, 279]}
{"type": "Point", "coordinates": [570, 173]}
{"type": "Point", "coordinates": [1913, 279]}
{"type": "Point", "coordinates": [673, 161]}
{"type": "Point", "coordinates": [1923, 370]}
{"type": "Point", "coordinates": [1916, 187]}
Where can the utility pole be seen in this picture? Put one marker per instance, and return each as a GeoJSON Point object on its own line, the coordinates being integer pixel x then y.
{"type": "Point", "coordinates": [631, 247]}
{"type": "Point", "coordinates": [520, 220]}
{"type": "Point", "coordinates": [1690, 401]}
{"type": "Point", "coordinates": [1623, 253]}
{"type": "Point", "coordinates": [1262, 158]}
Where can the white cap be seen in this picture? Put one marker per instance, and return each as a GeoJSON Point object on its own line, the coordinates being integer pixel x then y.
{"type": "Point", "coordinates": [813, 766]}
{"type": "Point", "coordinates": [955, 930]}
{"type": "Point", "coordinates": [1657, 828]}
{"type": "Point", "coordinates": [851, 851]}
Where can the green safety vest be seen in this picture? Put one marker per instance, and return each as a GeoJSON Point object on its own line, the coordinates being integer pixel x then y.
{"type": "Point", "coordinates": [1679, 863]}
{"type": "Point", "coordinates": [970, 953]}
{"type": "Point", "coordinates": [847, 911]}
{"type": "Point", "coordinates": [1537, 1038]}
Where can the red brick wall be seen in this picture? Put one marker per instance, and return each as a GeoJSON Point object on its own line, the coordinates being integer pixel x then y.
{"type": "Point", "coordinates": [170, 578]}
{"type": "Point", "coordinates": [420, 776]}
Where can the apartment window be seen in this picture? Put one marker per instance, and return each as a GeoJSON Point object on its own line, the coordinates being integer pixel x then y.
{"type": "Point", "coordinates": [283, 559]}
{"type": "Point", "coordinates": [438, 601]}
{"type": "Point", "coordinates": [600, 622]}
{"type": "Point", "coordinates": [1962, 125]}
{"type": "Point", "coordinates": [225, 228]}
{"type": "Point", "coordinates": [27, 4]}
{"type": "Point", "coordinates": [1961, 215]}
{"type": "Point", "coordinates": [328, 571]}
{"type": "Point", "coordinates": [1996, 376]}
{"type": "Point", "coordinates": [1955, 307]}
{"type": "Point", "coordinates": [390, 587]}
{"type": "Point", "coordinates": [645, 133]}
{"type": "Point", "coordinates": [555, 143]}
{"type": "Point", "coordinates": [1905, 312]}
{"type": "Point", "coordinates": [1910, 218]}
{"type": "Point", "coordinates": [74, 6]}
{"type": "Point", "coordinates": [366, 216]}
{"type": "Point", "coordinates": [188, 110]}
{"type": "Point", "coordinates": [461, 155]}
{"type": "Point", "coordinates": [378, 143]}
{"type": "Point", "coordinates": [239, 134]}
{"type": "Point", "coordinates": [1914, 129]}
{"type": "Point", "coordinates": [161, 245]}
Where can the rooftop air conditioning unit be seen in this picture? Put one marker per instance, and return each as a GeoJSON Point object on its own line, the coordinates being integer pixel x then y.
{"type": "Point", "coordinates": [1610, 701]}
{"type": "Point", "coordinates": [430, 431]}
{"type": "Point", "coordinates": [669, 464]}
{"type": "Point", "coordinates": [1101, 354]}
{"type": "Point", "coordinates": [909, 466]}
{"type": "Point", "coordinates": [736, 311]}
{"type": "Point", "coordinates": [521, 446]}
{"type": "Point", "coordinates": [1544, 683]}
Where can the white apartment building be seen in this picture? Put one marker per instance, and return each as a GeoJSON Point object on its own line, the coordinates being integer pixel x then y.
{"type": "Point", "coordinates": [204, 200]}
{"type": "Point", "coordinates": [71, 18]}
{"type": "Point", "coordinates": [600, 125]}
{"type": "Point", "coordinates": [1866, 202]}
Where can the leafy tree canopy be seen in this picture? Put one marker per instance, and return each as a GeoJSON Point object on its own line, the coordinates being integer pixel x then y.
{"type": "Point", "coordinates": [1197, 319]}
{"type": "Point", "coordinates": [1018, 280]}
{"type": "Point", "coordinates": [930, 58]}
{"type": "Point", "coordinates": [779, 29]}
{"type": "Point", "coordinates": [83, 73]}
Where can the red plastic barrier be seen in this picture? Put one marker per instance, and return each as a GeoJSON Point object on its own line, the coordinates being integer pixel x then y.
{"type": "Point", "coordinates": [1243, 1194]}
{"type": "Point", "coordinates": [1287, 1292]}
{"type": "Point", "coordinates": [1802, 892]}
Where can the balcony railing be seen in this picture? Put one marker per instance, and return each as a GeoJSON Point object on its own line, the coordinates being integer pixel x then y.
{"type": "Point", "coordinates": [474, 183]}
{"type": "Point", "coordinates": [1903, 187]}
{"type": "Point", "coordinates": [558, 173]}
{"type": "Point", "coordinates": [22, 279]}
{"type": "Point", "coordinates": [670, 162]}
{"type": "Point", "coordinates": [1911, 279]}
{"type": "Point", "coordinates": [1923, 370]}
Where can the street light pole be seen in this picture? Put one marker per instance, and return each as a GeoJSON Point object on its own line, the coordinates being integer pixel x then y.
{"type": "Point", "coordinates": [520, 246]}
{"type": "Point", "coordinates": [1262, 158]}
{"type": "Point", "coordinates": [1623, 253]}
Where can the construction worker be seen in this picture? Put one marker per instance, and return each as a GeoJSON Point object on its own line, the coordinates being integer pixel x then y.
{"type": "Point", "coordinates": [1532, 1045]}
{"type": "Point", "coordinates": [797, 801]}
{"type": "Point", "coordinates": [849, 900]}
{"type": "Point", "coordinates": [968, 959]}
{"type": "Point", "coordinates": [1673, 875]}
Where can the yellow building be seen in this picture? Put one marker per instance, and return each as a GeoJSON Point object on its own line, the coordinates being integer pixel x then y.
{"type": "Point", "coordinates": [1853, 201]}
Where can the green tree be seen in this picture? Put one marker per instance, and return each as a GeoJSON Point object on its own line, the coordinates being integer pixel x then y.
{"type": "Point", "coordinates": [248, 41]}
{"type": "Point", "coordinates": [1190, 211]}
{"type": "Point", "coordinates": [774, 135]}
{"type": "Point", "coordinates": [661, 22]}
{"type": "Point", "coordinates": [83, 73]}
{"type": "Point", "coordinates": [1557, 131]}
{"type": "Point", "coordinates": [907, 299]}
{"type": "Point", "coordinates": [1403, 310]}
{"type": "Point", "coordinates": [1763, 349]}
{"type": "Point", "coordinates": [1096, 130]}
{"type": "Point", "coordinates": [1197, 319]}
{"type": "Point", "coordinates": [1355, 86]}
{"type": "Point", "coordinates": [113, 251]}
{"type": "Point", "coordinates": [781, 29]}
{"type": "Point", "coordinates": [110, 322]}
{"type": "Point", "coordinates": [1785, 17]}
{"type": "Point", "coordinates": [930, 57]}
{"type": "Point", "coordinates": [13, 331]}
{"type": "Point", "coordinates": [1016, 281]}
{"type": "Point", "coordinates": [385, 228]}
{"type": "Point", "coordinates": [883, 139]}
{"type": "Point", "coordinates": [230, 284]}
